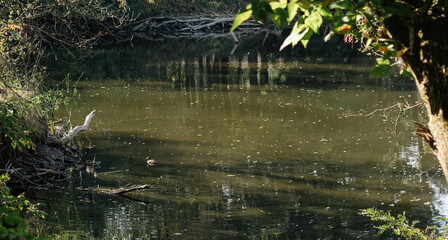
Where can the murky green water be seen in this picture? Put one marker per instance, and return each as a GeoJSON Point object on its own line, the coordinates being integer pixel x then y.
{"type": "Point", "coordinates": [254, 145]}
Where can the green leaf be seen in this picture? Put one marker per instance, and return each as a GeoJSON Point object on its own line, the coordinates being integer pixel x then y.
{"type": "Point", "coordinates": [408, 72]}
{"type": "Point", "coordinates": [325, 12]}
{"type": "Point", "coordinates": [295, 36]}
{"type": "Point", "coordinates": [344, 4]}
{"type": "Point", "coordinates": [13, 219]}
{"type": "Point", "coordinates": [329, 35]}
{"type": "Point", "coordinates": [292, 10]}
{"type": "Point", "coordinates": [21, 229]}
{"type": "Point", "coordinates": [338, 14]}
{"type": "Point", "coordinates": [279, 17]}
{"type": "Point", "coordinates": [369, 41]}
{"type": "Point", "coordinates": [240, 18]}
{"type": "Point", "coordinates": [280, 4]}
{"type": "Point", "coordinates": [3, 232]}
{"type": "Point", "coordinates": [314, 21]}
{"type": "Point", "coordinates": [306, 38]}
{"type": "Point", "coordinates": [380, 71]}
{"type": "Point", "coordinates": [380, 61]}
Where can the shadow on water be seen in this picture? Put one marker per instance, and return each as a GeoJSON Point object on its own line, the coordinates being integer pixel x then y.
{"type": "Point", "coordinates": [251, 145]}
{"type": "Point", "coordinates": [204, 63]}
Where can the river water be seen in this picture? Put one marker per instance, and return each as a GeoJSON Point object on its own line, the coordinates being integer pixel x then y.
{"type": "Point", "coordinates": [249, 143]}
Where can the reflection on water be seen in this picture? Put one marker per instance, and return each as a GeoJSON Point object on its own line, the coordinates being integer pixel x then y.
{"type": "Point", "coordinates": [251, 146]}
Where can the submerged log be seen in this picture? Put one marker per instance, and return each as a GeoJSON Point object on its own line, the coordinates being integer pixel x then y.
{"type": "Point", "coordinates": [117, 191]}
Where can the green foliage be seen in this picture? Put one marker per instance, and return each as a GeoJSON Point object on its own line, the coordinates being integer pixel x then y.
{"type": "Point", "coordinates": [70, 97]}
{"type": "Point", "coordinates": [383, 68]}
{"type": "Point", "coordinates": [13, 211]}
{"type": "Point", "coordinates": [25, 104]}
{"type": "Point", "coordinates": [401, 227]}
{"type": "Point", "coordinates": [16, 131]}
{"type": "Point", "coordinates": [359, 20]}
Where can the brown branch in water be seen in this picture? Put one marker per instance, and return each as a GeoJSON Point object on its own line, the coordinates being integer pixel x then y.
{"type": "Point", "coordinates": [110, 172]}
{"type": "Point", "coordinates": [46, 171]}
{"type": "Point", "coordinates": [118, 191]}
{"type": "Point", "coordinates": [407, 107]}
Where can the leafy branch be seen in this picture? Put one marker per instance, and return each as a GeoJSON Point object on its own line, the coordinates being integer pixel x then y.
{"type": "Point", "coordinates": [358, 20]}
{"type": "Point", "coordinates": [400, 226]}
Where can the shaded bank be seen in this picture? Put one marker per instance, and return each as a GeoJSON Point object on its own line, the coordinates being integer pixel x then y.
{"type": "Point", "coordinates": [203, 63]}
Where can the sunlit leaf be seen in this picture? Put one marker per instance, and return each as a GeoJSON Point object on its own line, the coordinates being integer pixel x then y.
{"type": "Point", "coordinates": [401, 52]}
{"type": "Point", "coordinates": [329, 35]}
{"type": "Point", "coordinates": [240, 18]}
{"type": "Point", "coordinates": [408, 72]}
{"type": "Point", "coordinates": [343, 4]}
{"type": "Point", "coordinates": [306, 38]}
{"type": "Point", "coordinates": [345, 28]}
{"type": "Point", "coordinates": [380, 61]}
{"type": "Point", "coordinates": [294, 38]}
{"type": "Point", "coordinates": [369, 41]}
{"type": "Point", "coordinates": [325, 12]}
{"type": "Point", "coordinates": [292, 10]}
{"type": "Point", "coordinates": [314, 21]}
{"type": "Point", "coordinates": [280, 4]}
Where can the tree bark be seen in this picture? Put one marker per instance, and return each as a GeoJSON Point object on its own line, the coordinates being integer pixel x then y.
{"type": "Point", "coordinates": [423, 33]}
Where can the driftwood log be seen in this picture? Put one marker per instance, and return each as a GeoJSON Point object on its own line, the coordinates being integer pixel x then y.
{"type": "Point", "coordinates": [69, 136]}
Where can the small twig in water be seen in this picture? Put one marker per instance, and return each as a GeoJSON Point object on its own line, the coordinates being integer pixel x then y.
{"type": "Point", "coordinates": [407, 107]}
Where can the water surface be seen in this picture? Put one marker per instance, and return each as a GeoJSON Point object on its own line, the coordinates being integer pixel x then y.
{"type": "Point", "coordinates": [251, 145]}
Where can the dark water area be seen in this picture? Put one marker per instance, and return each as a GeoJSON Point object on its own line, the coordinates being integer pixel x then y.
{"type": "Point", "coordinates": [250, 143]}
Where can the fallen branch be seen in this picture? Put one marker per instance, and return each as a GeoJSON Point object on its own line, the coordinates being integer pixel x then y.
{"type": "Point", "coordinates": [192, 27]}
{"type": "Point", "coordinates": [69, 136]}
{"type": "Point", "coordinates": [129, 189]}
{"type": "Point", "coordinates": [118, 191]}
{"type": "Point", "coordinates": [117, 171]}
{"type": "Point", "coordinates": [407, 107]}
{"type": "Point", "coordinates": [46, 171]}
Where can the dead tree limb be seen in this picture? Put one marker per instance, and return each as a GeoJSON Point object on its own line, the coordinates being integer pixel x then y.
{"type": "Point", "coordinates": [69, 136]}
{"type": "Point", "coordinates": [192, 27]}
{"type": "Point", "coordinates": [118, 191]}
{"type": "Point", "coordinates": [402, 109]}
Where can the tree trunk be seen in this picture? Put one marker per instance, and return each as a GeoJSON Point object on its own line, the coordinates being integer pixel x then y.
{"type": "Point", "coordinates": [423, 34]}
